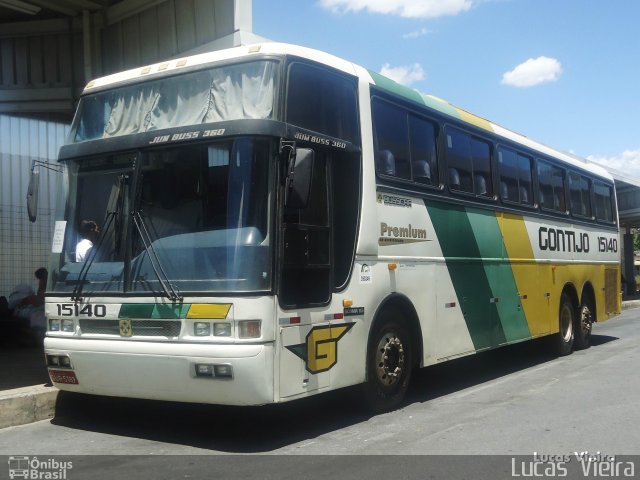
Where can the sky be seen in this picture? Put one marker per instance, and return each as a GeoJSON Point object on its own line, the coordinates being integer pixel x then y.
{"type": "Point", "coordinates": [563, 72]}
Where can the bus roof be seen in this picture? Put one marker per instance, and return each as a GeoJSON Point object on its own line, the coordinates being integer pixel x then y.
{"type": "Point", "coordinates": [171, 67]}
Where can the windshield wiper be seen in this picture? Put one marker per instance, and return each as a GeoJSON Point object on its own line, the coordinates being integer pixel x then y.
{"type": "Point", "coordinates": [76, 295]}
{"type": "Point", "coordinates": [170, 291]}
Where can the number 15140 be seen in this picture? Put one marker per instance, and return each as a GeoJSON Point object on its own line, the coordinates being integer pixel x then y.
{"type": "Point", "coordinates": [88, 310]}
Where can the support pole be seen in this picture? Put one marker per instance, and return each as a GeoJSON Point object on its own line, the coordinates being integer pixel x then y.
{"type": "Point", "coordinates": [86, 42]}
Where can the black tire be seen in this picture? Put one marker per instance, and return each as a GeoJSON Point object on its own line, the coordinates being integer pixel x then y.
{"type": "Point", "coordinates": [389, 362]}
{"type": "Point", "coordinates": [563, 340]}
{"type": "Point", "coordinates": [584, 323]}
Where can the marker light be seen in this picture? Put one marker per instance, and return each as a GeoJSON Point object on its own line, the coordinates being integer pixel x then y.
{"type": "Point", "coordinates": [53, 360]}
{"type": "Point", "coordinates": [222, 329]}
{"type": "Point", "coordinates": [204, 370]}
{"type": "Point", "coordinates": [223, 371]}
{"type": "Point", "coordinates": [67, 325]}
{"type": "Point", "coordinates": [202, 329]}
{"type": "Point", "coordinates": [249, 328]}
{"type": "Point", "coordinates": [58, 361]}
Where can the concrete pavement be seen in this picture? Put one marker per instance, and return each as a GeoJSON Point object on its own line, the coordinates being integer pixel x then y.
{"type": "Point", "coordinates": [26, 394]}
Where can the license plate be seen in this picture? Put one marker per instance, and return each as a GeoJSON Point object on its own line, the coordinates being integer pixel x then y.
{"type": "Point", "coordinates": [58, 376]}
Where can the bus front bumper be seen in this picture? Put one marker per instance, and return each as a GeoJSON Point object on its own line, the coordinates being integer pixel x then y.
{"type": "Point", "coordinates": [165, 371]}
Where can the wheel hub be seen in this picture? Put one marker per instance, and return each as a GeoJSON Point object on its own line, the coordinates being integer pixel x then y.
{"type": "Point", "coordinates": [586, 320]}
{"type": "Point", "coordinates": [566, 323]}
{"type": "Point", "coordinates": [389, 359]}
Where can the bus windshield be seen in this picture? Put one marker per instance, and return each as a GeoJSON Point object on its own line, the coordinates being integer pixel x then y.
{"type": "Point", "coordinates": [195, 218]}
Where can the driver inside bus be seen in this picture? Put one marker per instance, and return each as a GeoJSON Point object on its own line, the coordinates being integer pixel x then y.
{"type": "Point", "coordinates": [89, 231]}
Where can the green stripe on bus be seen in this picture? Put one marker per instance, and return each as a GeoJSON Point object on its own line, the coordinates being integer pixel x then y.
{"type": "Point", "coordinates": [499, 273]}
{"type": "Point", "coordinates": [468, 275]}
{"type": "Point", "coordinates": [396, 88]}
{"type": "Point", "coordinates": [409, 93]}
{"type": "Point", "coordinates": [153, 310]}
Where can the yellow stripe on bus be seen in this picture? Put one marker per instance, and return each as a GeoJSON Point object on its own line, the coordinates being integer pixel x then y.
{"type": "Point", "coordinates": [209, 310]}
{"type": "Point", "coordinates": [474, 120]}
{"type": "Point", "coordinates": [532, 280]}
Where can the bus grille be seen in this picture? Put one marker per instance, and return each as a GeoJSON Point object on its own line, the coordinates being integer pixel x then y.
{"type": "Point", "coordinates": [140, 328]}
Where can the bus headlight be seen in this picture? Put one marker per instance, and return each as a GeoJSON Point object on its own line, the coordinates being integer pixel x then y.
{"type": "Point", "coordinates": [202, 329]}
{"type": "Point", "coordinates": [54, 325]}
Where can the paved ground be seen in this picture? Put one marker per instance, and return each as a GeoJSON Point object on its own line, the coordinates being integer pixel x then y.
{"type": "Point", "coordinates": [516, 400]}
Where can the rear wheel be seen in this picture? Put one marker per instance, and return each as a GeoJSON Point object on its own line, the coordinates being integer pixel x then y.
{"type": "Point", "coordinates": [586, 316]}
{"type": "Point", "coordinates": [566, 318]}
{"type": "Point", "coordinates": [389, 362]}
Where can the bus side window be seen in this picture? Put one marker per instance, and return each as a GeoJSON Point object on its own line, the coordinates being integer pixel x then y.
{"type": "Point", "coordinates": [604, 202]}
{"type": "Point", "coordinates": [551, 180]}
{"type": "Point", "coordinates": [525, 168]}
{"type": "Point", "coordinates": [515, 176]}
{"type": "Point", "coordinates": [507, 164]}
{"type": "Point", "coordinates": [459, 161]}
{"type": "Point", "coordinates": [579, 194]}
{"type": "Point", "coordinates": [424, 162]}
{"type": "Point", "coordinates": [469, 163]}
{"type": "Point", "coordinates": [392, 138]}
{"type": "Point", "coordinates": [322, 101]}
{"type": "Point", "coordinates": [481, 160]}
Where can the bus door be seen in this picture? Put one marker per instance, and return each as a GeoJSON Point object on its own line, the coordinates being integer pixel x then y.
{"type": "Point", "coordinates": [305, 281]}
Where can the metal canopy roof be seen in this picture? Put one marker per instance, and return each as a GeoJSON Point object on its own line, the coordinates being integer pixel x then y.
{"type": "Point", "coordinates": [50, 49]}
{"type": "Point", "coordinates": [29, 10]}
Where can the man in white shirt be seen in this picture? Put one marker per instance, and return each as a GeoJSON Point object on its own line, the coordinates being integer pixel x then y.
{"type": "Point", "coordinates": [89, 231]}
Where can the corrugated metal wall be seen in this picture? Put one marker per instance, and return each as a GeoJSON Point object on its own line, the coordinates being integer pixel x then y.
{"type": "Point", "coordinates": [164, 31]}
{"type": "Point", "coordinates": [25, 246]}
{"type": "Point", "coordinates": [42, 69]}
{"type": "Point", "coordinates": [41, 61]}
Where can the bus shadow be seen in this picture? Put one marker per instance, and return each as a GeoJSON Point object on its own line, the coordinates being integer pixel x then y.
{"type": "Point", "coordinates": [456, 375]}
{"type": "Point", "coordinates": [268, 428]}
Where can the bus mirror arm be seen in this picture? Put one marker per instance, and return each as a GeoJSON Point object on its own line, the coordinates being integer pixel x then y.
{"type": "Point", "coordinates": [299, 174]}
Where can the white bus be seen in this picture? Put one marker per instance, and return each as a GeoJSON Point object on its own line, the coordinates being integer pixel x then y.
{"type": "Point", "coordinates": [274, 222]}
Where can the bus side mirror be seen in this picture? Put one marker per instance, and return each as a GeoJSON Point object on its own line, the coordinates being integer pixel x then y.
{"type": "Point", "coordinates": [299, 178]}
{"type": "Point", "coordinates": [34, 185]}
{"type": "Point", "coordinates": [32, 192]}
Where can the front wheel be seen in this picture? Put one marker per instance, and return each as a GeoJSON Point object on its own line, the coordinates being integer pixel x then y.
{"type": "Point", "coordinates": [566, 318]}
{"type": "Point", "coordinates": [389, 363]}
